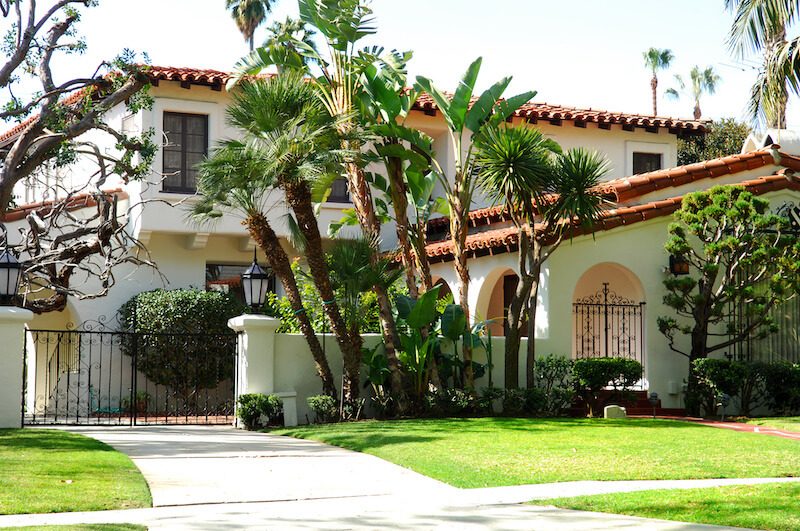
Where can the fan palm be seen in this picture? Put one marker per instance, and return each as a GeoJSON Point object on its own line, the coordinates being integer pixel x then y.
{"type": "Point", "coordinates": [233, 181]}
{"type": "Point", "coordinates": [248, 15]}
{"type": "Point", "coordinates": [547, 199]}
{"type": "Point", "coordinates": [656, 59]}
{"type": "Point", "coordinates": [297, 143]}
{"type": "Point", "coordinates": [760, 26]}
{"type": "Point", "coordinates": [701, 82]}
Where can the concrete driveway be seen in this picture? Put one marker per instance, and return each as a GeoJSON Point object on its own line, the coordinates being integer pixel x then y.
{"type": "Point", "coordinates": [220, 478]}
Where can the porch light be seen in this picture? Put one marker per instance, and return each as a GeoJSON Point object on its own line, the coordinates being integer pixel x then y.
{"type": "Point", "coordinates": [255, 284]}
{"type": "Point", "coordinates": [654, 401]}
{"type": "Point", "coordinates": [10, 271]}
{"type": "Point", "coordinates": [678, 266]}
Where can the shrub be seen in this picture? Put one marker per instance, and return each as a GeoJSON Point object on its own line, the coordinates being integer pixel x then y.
{"type": "Point", "coordinates": [253, 407]}
{"type": "Point", "coordinates": [594, 375]}
{"type": "Point", "coordinates": [782, 382]}
{"type": "Point", "coordinates": [324, 407]}
{"type": "Point", "coordinates": [524, 402]}
{"type": "Point", "coordinates": [452, 402]}
{"type": "Point", "coordinates": [168, 350]}
{"type": "Point", "coordinates": [744, 381]}
{"type": "Point", "coordinates": [554, 377]}
{"type": "Point", "coordinates": [488, 396]}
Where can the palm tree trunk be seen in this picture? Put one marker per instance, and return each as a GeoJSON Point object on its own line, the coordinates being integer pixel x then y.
{"type": "Point", "coordinates": [697, 112]}
{"type": "Point", "coordinates": [298, 196]}
{"type": "Point", "coordinates": [400, 207]}
{"type": "Point", "coordinates": [262, 233]}
{"type": "Point", "coordinates": [653, 87]}
{"type": "Point", "coordinates": [371, 228]}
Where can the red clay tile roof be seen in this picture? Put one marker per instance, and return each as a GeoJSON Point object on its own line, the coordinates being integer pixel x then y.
{"type": "Point", "coordinates": [195, 76]}
{"type": "Point", "coordinates": [543, 111]}
{"type": "Point", "coordinates": [506, 240]}
{"type": "Point", "coordinates": [76, 202]}
{"type": "Point", "coordinates": [17, 129]}
{"type": "Point", "coordinates": [630, 187]}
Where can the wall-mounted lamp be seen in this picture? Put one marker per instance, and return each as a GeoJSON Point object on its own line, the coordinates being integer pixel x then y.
{"type": "Point", "coordinates": [678, 266]}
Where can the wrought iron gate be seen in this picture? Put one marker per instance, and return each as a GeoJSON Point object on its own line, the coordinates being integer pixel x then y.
{"type": "Point", "coordinates": [609, 325]}
{"type": "Point", "coordinates": [97, 374]}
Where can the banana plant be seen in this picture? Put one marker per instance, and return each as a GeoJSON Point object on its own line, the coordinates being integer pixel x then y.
{"type": "Point", "coordinates": [416, 354]}
{"type": "Point", "coordinates": [463, 116]}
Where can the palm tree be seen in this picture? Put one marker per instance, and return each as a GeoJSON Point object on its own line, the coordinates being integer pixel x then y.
{"type": "Point", "coordinates": [547, 199]}
{"type": "Point", "coordinates": [248, 15]}
{"type": "Point", "coordinates": [341, 24]}
{"type": "Point", "coordinates": [286, 34]}
{"type": "Point", "coordinates": [702, 82]}
{"type": "Point", "coordinates": [295, 140]}
{"type": "Point", "coordinates": [233, 181]}
{"type": "Point", "coordinates": [656, 60]}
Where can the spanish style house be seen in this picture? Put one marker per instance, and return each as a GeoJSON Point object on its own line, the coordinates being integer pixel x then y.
{"type": "Point", "coordinates": [600, 294]}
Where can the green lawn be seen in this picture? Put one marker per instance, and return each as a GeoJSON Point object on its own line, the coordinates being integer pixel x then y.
{"type": "Point", "coordinates": [768, 506]}
{"type": "Point", "coordinates": [492, 452]}
{"type": "Point", "coordinates": [782, 423]}
{"type": "Point", "coordinates": [47, 471]}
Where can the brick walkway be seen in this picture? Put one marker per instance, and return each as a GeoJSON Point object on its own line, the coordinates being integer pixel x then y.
{"type": "Point", "coordinates": [736, 426]}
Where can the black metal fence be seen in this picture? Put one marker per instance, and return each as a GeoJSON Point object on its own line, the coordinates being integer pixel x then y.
{"type": "Point", "coordinates": [97, 374]}
{"type": "Point", "coordinates": [608, 325]}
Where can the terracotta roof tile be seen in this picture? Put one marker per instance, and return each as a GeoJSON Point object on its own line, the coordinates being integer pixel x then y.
{"type": "Point", "coordinates": [544, 111]}
{"type": "Point", "coordinates": [500, 240]}
{"type": "Point", "coordinates": [630, 187]}
{"type": "Point", "coordinates": [76, 202]}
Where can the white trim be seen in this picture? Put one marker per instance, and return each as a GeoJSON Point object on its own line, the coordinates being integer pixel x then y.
{"type": "Point", "coordinates": [632, 147]}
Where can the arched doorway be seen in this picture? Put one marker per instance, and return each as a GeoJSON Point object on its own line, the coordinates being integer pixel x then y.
{"type": "Point", "coordinates": [498, 299]}
{"type": "Point", "coordinates": [608, 314]}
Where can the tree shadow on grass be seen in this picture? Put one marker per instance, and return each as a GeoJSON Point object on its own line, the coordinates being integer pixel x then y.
{"type": "Point", "coordinates": [48, 440]}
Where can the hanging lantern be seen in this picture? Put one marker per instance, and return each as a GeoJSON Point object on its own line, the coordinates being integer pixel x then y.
{"type": "Point", "coordinates": [678, 266]}
{"type": "Point", "coordinates": [255, 284]}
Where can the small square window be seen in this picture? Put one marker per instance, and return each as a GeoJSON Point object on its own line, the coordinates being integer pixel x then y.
{"type": "Point", "coordinates": [339, 191]}
{"type": "Point", "coordinates": [645, 162]}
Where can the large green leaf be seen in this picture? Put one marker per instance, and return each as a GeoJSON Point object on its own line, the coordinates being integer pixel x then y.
{"type": "Point", "coordinates": [463, 95]}
{"type": "Point", "coordinates": [454, 322]}
{"type": "Point", "coordinates": [424, 311]}
{"type": "Point", "coordinates": [506, 108]}
{"type": "Point", "coordinates": [442, 102]}
{"type": "Point", "coordinates": [482, 109]}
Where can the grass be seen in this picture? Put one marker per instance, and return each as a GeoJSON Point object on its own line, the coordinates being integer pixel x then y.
{"type": "Point", "coordinates": [46, 471]}
{"type": "Point", "coordinates": [769, 506]}
{"type": "Point", "coordinates": [79, 527]}
{"type": "Point", "coordinates": [781, 423]}
{"type": "Point", "coordinates": [491, 452]}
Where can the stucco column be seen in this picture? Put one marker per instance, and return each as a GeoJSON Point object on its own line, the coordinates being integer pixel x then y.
{"type": "Point", "coordinates": [12, 333]}
{"type": "Point", "coordinates": [256, 361]}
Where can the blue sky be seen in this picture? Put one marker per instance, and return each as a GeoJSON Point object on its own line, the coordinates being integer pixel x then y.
{"type": "Point", "coordinates": [583, 53]}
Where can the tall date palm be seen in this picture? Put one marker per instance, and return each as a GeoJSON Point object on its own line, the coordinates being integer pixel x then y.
{"type": "Point", "coordinates": [248, 15]}
{"type": "Point", "coordinates": [656, 59]}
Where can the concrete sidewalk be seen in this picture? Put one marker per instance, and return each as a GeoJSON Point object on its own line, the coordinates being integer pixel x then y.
{"type": "Point", "coordinates": [212, 478]}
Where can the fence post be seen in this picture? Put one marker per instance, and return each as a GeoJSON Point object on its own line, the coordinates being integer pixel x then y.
{"type": "Point", "coordinates": [12, 330]}
{"type": "Point", "coordinates": [256, 361]}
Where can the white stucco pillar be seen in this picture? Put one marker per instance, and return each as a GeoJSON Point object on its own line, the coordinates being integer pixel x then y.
{"type": "Point", "coordinates": [256, 361]}
{"type": "Point", "coordinates": [12, 330]}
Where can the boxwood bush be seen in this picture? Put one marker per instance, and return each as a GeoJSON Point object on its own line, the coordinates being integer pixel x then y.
{"type": "Point", "coordinates": [252, 408]}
